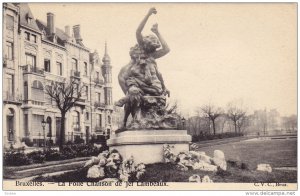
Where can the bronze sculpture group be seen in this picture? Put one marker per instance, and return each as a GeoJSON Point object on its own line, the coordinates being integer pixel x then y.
{"type": "Point", "coordinates": [143, 85]}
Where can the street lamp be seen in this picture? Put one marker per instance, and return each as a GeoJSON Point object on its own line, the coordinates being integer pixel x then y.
{"type": "Point", "coordinates": [183, 122]}
{"type": "Point", "coordinates": [43, 125]}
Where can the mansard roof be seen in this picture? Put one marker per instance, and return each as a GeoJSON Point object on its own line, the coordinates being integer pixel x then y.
{"type": "Point", "coordinates": [61, 35]}
{"type": "Point", "coordinates": [26, 13]}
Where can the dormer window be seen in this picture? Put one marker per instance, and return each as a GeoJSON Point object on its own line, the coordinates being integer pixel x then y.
{"type": "Point", "coordinates": [29, 19]}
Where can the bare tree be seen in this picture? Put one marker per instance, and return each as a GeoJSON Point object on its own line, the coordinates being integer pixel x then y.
{"type": "Point", "coordinates": [242, 123]}
{"type": "Point", "coordinates": [235, 113]}
{"type": "Point", "coordinates": [221, 121]}
{"type": "Point", "coordinates": [65, 94]}
{"type": "Point", "coordinates": [212, 113]}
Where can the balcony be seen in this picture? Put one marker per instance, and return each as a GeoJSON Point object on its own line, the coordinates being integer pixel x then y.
{"type": "Point", "coordinates": [33, 69]}
{"type": "Point", "coordinates": [98, 104]}
{"type": "Point", "coordinates": [99, 82]}
{"type": "Point", "coordinates": [9, 97]}
{"type": "Point", "coordinates": [75, 74]}
{"type": "Point", "coordinates": [81, 102]}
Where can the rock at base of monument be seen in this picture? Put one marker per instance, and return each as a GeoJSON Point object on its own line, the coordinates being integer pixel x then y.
{"type": "Point", "coordinates": [146, 146]}
{"type": "Point", "coordinates": [153, 121]}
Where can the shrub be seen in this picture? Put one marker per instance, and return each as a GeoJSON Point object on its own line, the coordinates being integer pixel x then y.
{"type": "Point", "coordinates": [223, 173]}
{"type": "Point", "coordinates": [37, 156]}
{"type": "Point", "coordinates": [78, 141]}
{"type": "Point", "coordinates": [244, 166]}
{"type": "Point", "coordinates": [53, 155]}
{"type": "Point", "coordinates": [69, 142]}
{"type": "Point", "coordinates": [16, 158]}
{"type": "Point", "coordinates": [100, 139]}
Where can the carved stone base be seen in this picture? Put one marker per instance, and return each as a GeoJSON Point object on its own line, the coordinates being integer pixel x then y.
{"type": "Point", "coordinates": [147, 146]}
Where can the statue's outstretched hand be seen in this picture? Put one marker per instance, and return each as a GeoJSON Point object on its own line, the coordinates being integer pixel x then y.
{"type": "Point", "coordinates": [154, 28]}
{"type": "Point", "coordinates": [167, 92]}
{"type": "Point", "coordinates": [152, 11]}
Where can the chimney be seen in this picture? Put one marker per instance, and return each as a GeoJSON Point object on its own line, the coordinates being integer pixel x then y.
{"type": "Point", "coordinates": [67, 30]}
{"type": "Point", "coordinates": [77, 35]}
{"type": "Point", "coordinates": [50, 23]}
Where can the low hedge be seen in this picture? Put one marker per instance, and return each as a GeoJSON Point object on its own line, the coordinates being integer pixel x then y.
{"type": "Point", "coordinates": [204, 137]}
{"type": "Point", "coordinates": [17, 158]}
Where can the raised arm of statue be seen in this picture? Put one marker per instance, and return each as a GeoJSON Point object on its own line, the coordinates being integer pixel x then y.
{"type": "Point", "coordinates": [140, 28]}
{"type": "Point", "coordinates": [165, 48]}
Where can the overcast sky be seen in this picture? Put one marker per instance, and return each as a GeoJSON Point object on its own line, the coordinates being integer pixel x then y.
{"type": "Point", "coordinates": [219, 52]}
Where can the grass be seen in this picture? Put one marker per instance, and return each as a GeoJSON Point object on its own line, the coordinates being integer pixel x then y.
{"type": "Point", "coordinates": [277, 153]}
{"type": "Point", "coordinates": [167, 172]}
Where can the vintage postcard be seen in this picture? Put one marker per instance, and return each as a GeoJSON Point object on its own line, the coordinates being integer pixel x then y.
{"type": "Point", "coordinates": [149, 96]}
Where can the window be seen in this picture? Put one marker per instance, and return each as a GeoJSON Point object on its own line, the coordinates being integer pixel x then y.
{"type": "Point", "coordinates": [9, 50]}
{"type": "Point", "coordinates": [30, 60]}
{"type": "Point", "coordinates": [87, 116]}
{"type": "Point", "coordinates": [9, 22]}
{"type": "Point", "coordinates": [108, 96]}
{"type": "Point", "coordinates": [74, 65]}
{"type": "Point", "coordinates": [85, 69]}
{"type": "Point", "coordinates": [87, 92]}
{"type": "Point", "coordinates": [47, 65]}
{"type": "Point", "coordinates": [109, 119]}
{"type": "Point", "coordinates": [27, 36]}
{"type": "Point", "coordinates": [59, 68]}
{"type": "Point", "coordinates": [98, 97]}
{"type": "Point", "coordinates": [76, 118]}
{"type": "Point", "coordinates": [37, 85]}
{"type": "Point", "coordinates": [10, 84]}
{"type": "Point", "coordinates": [97, 75]}
{"type": "Point", "coordinates": [29, 20]}
{"type": "Point", "coordinates": [36, 125]}
{"type": "Point", "coordinates": [98, 120]}
{"type": "Point", "coordinates": [33, 38]}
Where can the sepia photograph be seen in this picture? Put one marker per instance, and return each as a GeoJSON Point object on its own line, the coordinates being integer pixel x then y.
{"type": "Point", "coordinates": [149, 96]}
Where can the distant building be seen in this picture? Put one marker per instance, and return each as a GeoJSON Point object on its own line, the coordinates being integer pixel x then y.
{"type": "Point", "coordinates": [36, 53]}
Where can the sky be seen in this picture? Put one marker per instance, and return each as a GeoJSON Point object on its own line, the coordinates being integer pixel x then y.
{"type": "Point", "coordinates": [219, 52]}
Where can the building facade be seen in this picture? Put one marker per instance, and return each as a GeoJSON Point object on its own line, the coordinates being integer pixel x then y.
{"type": "Point", "coordinates": [35, 53]}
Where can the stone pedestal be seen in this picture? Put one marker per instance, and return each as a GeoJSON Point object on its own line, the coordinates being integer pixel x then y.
{"type": "Point", "coordinates": [146, 146]}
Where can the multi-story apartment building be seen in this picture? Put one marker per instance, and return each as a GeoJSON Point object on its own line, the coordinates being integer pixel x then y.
{"type": "Point", "coordinates": [35, 53]}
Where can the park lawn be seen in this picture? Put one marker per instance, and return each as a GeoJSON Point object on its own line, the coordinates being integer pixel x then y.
{"type": "Point", "coordinates": [277, 153]}
{"type": "Point", "coordinates": [167, 172]}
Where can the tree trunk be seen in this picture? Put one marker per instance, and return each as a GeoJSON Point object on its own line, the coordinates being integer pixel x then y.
{"type": "Point", "coordinates": [214, 127]}
{"type": "Point", "coordinates": [235, 128]}
{"type": "Point", "coordinates": [62, 132]}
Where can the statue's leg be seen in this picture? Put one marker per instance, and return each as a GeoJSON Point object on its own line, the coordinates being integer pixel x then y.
{"type": "Point", "coordinates": [126, 114]}
{"type": "Point", "coordinates": [136, 111]}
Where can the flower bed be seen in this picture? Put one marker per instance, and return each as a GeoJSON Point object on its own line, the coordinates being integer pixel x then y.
{"type": "Point", "coordinates": [110, 165]}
